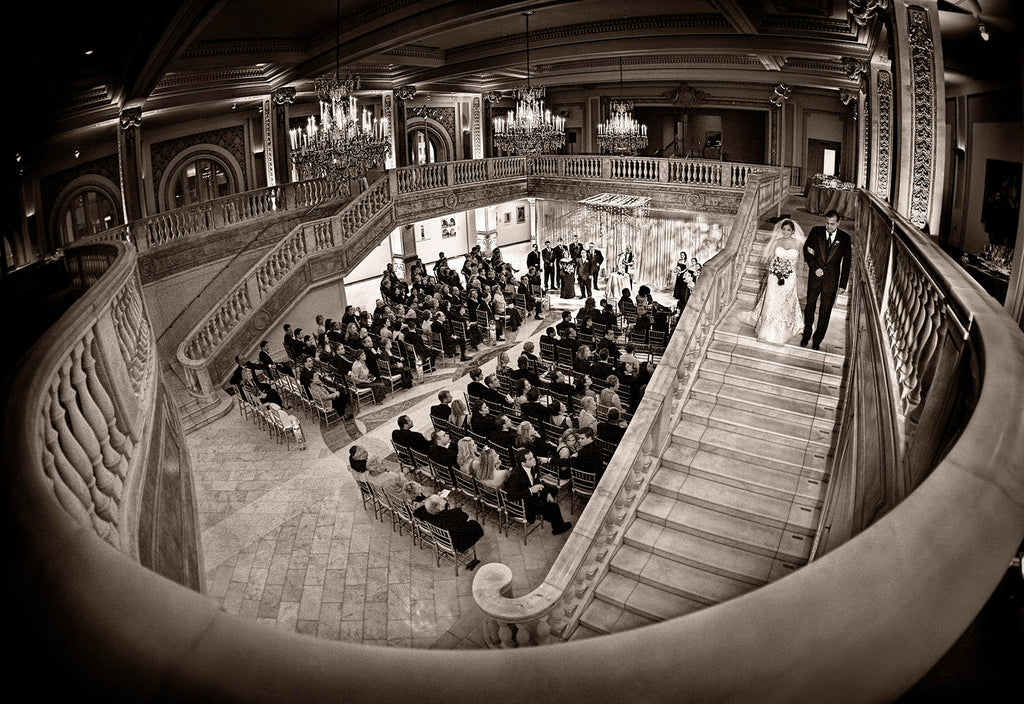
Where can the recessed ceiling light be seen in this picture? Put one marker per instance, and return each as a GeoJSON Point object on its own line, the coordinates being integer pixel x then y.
{"type": "Point", "coordinates": [88, 52]}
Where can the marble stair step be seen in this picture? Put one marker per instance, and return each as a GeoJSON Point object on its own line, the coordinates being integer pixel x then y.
{"type": "Point", "coordinates": [757, 425]}
{"type": "Point", "coordinates": [744, 335]}
{"type": "Point", "coordinates": [808, 369]}
{"type": "Point", "coordinates": [751, 476]}
{"type": "Point", "coordinates": [769, 541]}
{"type": "Point", "coordinates": [629, 594]}
{"type": "Point", "coordinates": [601, 617]}
{"type": "Point", "coordinates": [797, 460]}
{"type": "Point", "coordinates": [764, 402]}
{"type": "Point", "coordinates": [817, 364]}
{"type": "Point", "coordinates": [795, 515]}
{"type": "Point", "coordinates": [677, 578]}
{"type": "Point", "coordinates": [784, 385]}
{"type": "Point", "coordinates": [582, 633]}
{"type": "Point", "coordinates": [699, 552]}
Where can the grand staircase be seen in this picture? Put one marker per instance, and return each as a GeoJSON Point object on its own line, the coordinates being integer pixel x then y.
{"type": "Point", "coordinates": [735, 501]}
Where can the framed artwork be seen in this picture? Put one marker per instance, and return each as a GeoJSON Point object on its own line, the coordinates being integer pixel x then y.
{"type": "Point", "coordinates": [1001, 206]}
{"type": "Point", "coordinates": [508, 218]}
{"type": "Point", "coordinates": [520, 214]}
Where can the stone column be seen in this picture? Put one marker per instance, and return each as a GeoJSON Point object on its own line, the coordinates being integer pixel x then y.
{"type": "Point", "coordinates": [277, 141]}
{"type": "Point", "coordinates": [920, 97]}
{"type": "Point", "coordinates": [267, 124]}
{"type": "Point", "coordinates": [129, 164]}
{"type": "Point", "coordinates": [477, 127]}
{"type": "Point", "coordinates": [388, 102]}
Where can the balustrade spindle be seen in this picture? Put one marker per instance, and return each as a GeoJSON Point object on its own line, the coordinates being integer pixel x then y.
{"type": "Point", "coordinates": [109, 462]}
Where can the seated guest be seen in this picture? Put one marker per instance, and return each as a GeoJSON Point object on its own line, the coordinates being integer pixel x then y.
{"type": "Point", "coordinates": [267, 362]}
{"type": "Point", "coordinates": [504, 433]}
{"type": "Point", "coordinates": [524, 371]}
{"type": "Point", "coordinates": [557, 415]}
{"type": "Point", "coordinates": [357, 467]}
{"type": "Point", "coordinates": [607, 316]}
{"type": "Point", "coordinates": [519, 390]}
{"type": "Point", "coordinates": [588, 413]}
{"type": "Point", "coordinates": [639, 385]}
{"type": "Point", "coordinates": [460, 414]}
{"type": "Point", "coordinates": [523, 484]}
{"type": "Point", "coordinates": [363, 379]}
{"type": "Point", "coordinates": [549, 338]}
{"type": "Point", "coordinates": [240, 364]}
{"type": "Point", "coordinates": [581, 363]}
{"type": "Point", "coordinates": [528, 351]}
{"type": "Point", "coordinates": [628, 362]}
{"type": "Point", "coordinates": [463, 530]}
{"type": "Point", "coordinates": [467, 455]}
{"type": "Point", "coordinates": [533, 408]}
{"type": "Point", "coordinates": [581, 390]}
{"type": "Point", "coordinates": [405, 436]}
{"type": "Point", "coordinates": [442, 410]}
{"type": "Point", "coordinates": [258, 392]}
{"type": "Point", "coordinates": [528, 438]}
{"type": "Point", "coordinates": [488, 469]}
{"type": "Point", "coordinates": [494, 396]}
{"type": "Point", "coordinates": [321, 391]}
{"type": "Point", "coordinates": [589, 457]}
{"type": "Point", "coordinates": [482, 422]}
{"type": "Point", "coordinates": [612, 429]}
{"type": "Point", "coordinates": [609, 395]}
{"type": "Point", "coordinates": [441, 450]}
{"type": "Point", "coordinates": [626, 302]}
{"type": "Point", "coordinates": [566, 446]}
{"type": "Point", "coordinates": [504, 366]}
{"type": "Point", "coordinates": [476, 388]}
{"type": "Point", "coordinates": [560, 386]}
{"type": "Point", "coordinates": [608, 343]}
{"type": "Point", "coordinates": [565, 324]}
{"type": "Point", "coordinates": [603, 367]}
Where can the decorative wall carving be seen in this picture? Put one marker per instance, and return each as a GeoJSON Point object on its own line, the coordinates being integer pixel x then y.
{"type": "Point", "coordinates": [922, 86]}
{"type": "Point", "coordinates": [687, 96]}
{"type": "Point", "coordinates": [478, 130]}
{"type": "Point", "coordinates": [283, 96]}
{"type": "Point", "coordinates": [884, 142]}
{"type": "Point", "coordinates": [863, 11]}
{"type": "Point", "coordinates": [130, 118]}
{"type": "Point", "coordinates": [268, 142]}
{"type": "Point", "coordinates": [389, 114]}
{"type": "Point", "coordinates": [231, 139]}
{"type": "Point", "coordinates": [444, 116]}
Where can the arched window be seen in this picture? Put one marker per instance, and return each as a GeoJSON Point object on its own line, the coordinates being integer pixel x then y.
{"type": "Point", "coordinates": [201, 179]}
{"type": "Point", "coordinates": [428, 142]}
{"type": "Point", "coordinates": [423, 147]}
{"type": "Point", "coordinates": [85, 213]}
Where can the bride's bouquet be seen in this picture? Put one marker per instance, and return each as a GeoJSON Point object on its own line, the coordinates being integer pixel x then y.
{"type": "Point", "coordinates": [781, 268]}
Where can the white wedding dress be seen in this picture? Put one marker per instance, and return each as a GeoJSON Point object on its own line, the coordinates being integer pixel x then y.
{"type": "Point", "coordinates": [777, 316]}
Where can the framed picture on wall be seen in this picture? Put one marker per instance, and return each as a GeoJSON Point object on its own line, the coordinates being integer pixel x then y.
{"type": "Point", "coordinates": [508, 218]}
{"type": "Point", "coordinates": [520, 214]}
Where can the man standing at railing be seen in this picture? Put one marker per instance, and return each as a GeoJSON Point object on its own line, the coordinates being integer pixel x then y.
{"type": "Point", "coordinates": [827, 253]}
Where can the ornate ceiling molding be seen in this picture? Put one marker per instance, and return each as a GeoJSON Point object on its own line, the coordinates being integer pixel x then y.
{"type": "Point", "coordinates": [259, 47]}
{"type": "Point", "coordinates": [823, 65]}
{"type": "Point", "coordinates": [640, 61]}
{"type": "Point", "coordinates": [624, 25]}
{"type": "Point", "coordinates": [827, 25]}
{"type": "Point", "coordinates": [804, 7]}
{"type": "Point", "coordinates": [416, 51]}
{"type": "Point", "coordinates": [177, 81]}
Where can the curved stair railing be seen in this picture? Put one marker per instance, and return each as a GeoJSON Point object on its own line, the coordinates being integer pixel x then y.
{"type": "Point", "coordinates": [316, 249]}
{"type": "Point", "coordinates": [861, 623]}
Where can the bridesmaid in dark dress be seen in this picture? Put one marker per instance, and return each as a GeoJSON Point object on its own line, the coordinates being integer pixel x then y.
{"type": "Point", "coordinates": [568, 279]}
{"type": "Point", "coordinates": [682, 290]}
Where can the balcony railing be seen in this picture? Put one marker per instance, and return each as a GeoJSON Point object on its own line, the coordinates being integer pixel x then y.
{"type": "Point", "coordinates": [861, 623]}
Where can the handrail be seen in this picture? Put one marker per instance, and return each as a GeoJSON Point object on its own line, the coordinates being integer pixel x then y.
{"type": "Point", "coordinates": [860, 624]}
{"type": "Point", "coordinates": [404, 188]}
{"type": "Point", "coordinates": [556, 605]}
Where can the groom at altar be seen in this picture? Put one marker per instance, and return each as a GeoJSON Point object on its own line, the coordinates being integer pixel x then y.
{"type": "Point", "coordinates": [827, 252]}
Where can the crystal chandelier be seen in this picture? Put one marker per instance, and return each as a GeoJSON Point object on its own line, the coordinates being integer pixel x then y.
{"type": "Point", "coordinates": [621, 132]}
{"type": "Point", "coordinates": [343, 144]}
{"type": "Point", "coordinates": [530, 129]}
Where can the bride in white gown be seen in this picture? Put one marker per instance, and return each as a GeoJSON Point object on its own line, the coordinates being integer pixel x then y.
{"type": "Point", "coordinates": [777, 315]}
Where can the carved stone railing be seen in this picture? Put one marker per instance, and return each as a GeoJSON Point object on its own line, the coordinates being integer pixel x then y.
{"type": "Point", "coordinates": [914, 371]}
{"type": "Point", "coordinates": [404, 195]}
{"type": "Point", "coordinates": [554, 608]}
{"type": "Point", "coordinates": [191, 220]}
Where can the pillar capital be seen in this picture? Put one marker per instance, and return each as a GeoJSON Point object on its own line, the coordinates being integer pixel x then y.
{"type": "Point", "coordinates": [283, 96]}
{"type": "Point", "coordinates": [130, 117]}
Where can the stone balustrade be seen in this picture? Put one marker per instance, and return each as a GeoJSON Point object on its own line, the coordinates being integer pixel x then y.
{"type": "Point", "coordinates": [556, 605]}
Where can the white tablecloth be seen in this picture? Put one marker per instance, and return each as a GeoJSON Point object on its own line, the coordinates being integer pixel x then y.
{"type": "Point", "coordinates": [617, 282]}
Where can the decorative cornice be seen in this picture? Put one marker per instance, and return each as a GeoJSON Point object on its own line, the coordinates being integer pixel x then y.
{"type": "Point", "coordinates": [91, 98]}
{"type": "Point", "coordinates": [262, 47]}
{"type": "Point", "coordinates": [863, 11]}
{"type": "Point", "coordinates": [824, 65]}
{"type": "Point", "coordinates": [416, 51]}
{"type": "Point", "coordinates": [804, 7]}
{"type": "Point", "coordinates": [627, 25]}
{"type": "Point", "coordinates": [178, 80]}
{"type": "Point", "coordinates": [826, 25]}
{"type": "Point", "coordinates": [658, 60]}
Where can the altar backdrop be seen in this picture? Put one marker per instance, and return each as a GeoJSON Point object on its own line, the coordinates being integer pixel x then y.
{"type": "Point", "coordinates": [656, 239]}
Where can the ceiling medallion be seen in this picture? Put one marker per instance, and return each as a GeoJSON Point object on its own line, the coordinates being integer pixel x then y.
{"type": "Point", "coordinates": [530, 129]}
{"type": "Point", "coordinates": [342, 145]}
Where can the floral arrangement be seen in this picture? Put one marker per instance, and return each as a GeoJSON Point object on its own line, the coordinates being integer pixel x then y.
{"type": "Point", "coordinates": [832, 182]}
{"type": "Point", "coordinates": [780, 268]}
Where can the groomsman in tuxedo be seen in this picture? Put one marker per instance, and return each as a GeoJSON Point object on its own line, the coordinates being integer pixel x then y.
{"type": "Point", "coordinates": [575, 249]}
{"type": "Point", "coordinates": [827, 253]}
{"type": "Point", "coordinates": [533, 258]}
{"type": "Point", "coordinates": [559, 254]}
{"type": "Point", "coordinates": [583, 272]}
{"type": "Point", "coordinates": [596, 260]}
{"type": "Point", "coordinates": [550, 264]}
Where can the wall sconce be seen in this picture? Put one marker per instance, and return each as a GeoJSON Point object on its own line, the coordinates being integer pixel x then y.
{"type": "Point", "coordinates": [982, 30]}
{"type": "Point", "coordinates": [78, 153]}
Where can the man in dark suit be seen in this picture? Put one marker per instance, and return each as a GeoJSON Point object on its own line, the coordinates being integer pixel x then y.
{"type": "Point", "coordinates": [441, 449]}
{"type": "Point", "coordinates": [463, 530]}
{"type": "Point", "coordinates": [590, 457]}
{"type": "Point", "coordinates": [523, 484]}
{"type": "Point", "coordinates": [575, 248]}
{"type": "Point", "coordinates": [596, 260]}
{"type": "Point", "coordinates": [533, 258]}
{"type": "Point", "coordinates": [828, 253]}
{"type": "Point", "coordinates": [442, 410]}
{"type": "Point", "coordinates": [613, 429]}
{"type": "Point", "coordinates": [405, 436]}
{"type": "Point", "coordinates": [476, 388]}
{"type": "Point", "coordinates": [583, 273]}
{"type": "Point", "coordinates": [550, 263]}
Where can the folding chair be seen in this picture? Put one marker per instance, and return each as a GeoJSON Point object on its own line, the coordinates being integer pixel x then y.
{"type": "Point", "coordinates": [444, 548]}
{"type": "Point", "coordinates": [582, 487]}
{"type": "Point", "coordinates": [515, 512]}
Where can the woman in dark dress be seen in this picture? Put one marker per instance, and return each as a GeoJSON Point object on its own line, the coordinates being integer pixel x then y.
{"type": "Point", "coordinates": [568, 279]}
{"type": "Point", "coordinates": [681, 291]}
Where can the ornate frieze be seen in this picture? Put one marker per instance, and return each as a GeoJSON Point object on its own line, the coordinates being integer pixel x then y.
{"type": "Point", "coordinates": [922, 86]}
{"type": "Point", "coordinates": [687, 96]}
{"type": "Point", "coordinates": [283, 96]}
{"type": "Point", "coordinates": [443, 116]}
{"type": "Point", "coordinates": [884, 141]}
{"type": "Point", "coordinates": [863, 11]}
{"type": "Point", "coordinates": [268, 142]}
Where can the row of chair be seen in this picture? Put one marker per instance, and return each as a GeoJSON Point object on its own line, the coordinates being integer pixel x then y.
{"type": "Point", "coordinates": [268, 420]}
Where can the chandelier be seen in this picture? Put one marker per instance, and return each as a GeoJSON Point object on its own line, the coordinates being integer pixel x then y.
{"type": "Point", "coordinates": [621, 132]}
{"type": "Point", "coordinates": [530, 129]}
{"type": "Point", "coordinates": [343, 144]}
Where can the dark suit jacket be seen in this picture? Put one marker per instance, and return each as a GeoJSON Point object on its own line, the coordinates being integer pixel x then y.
{"type": "Point", "coordinates": [446, 456]}
{"type": "Point", "coordinates": [517, 486]}
{"type": "Point", "coordinates": [464, 532]}
{"type": "Point", "coordinates": [533, 259]}
{"type": "Point", "coordinates": [834, 260]}
{"type": "Point", "coordinates": [441, 410]}
{"type": "Point", "coordinates": [410, 439]}
{"type": "Point", "coordinates": [589, 458]}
